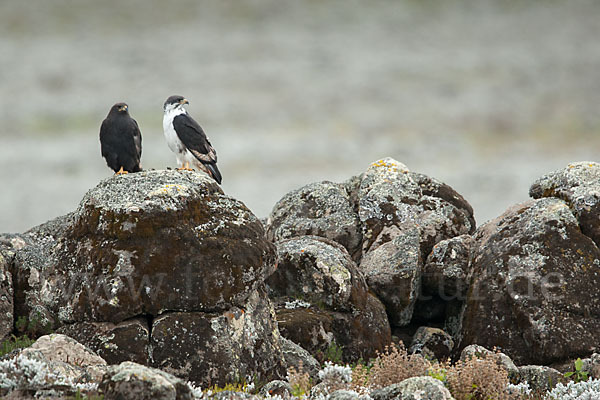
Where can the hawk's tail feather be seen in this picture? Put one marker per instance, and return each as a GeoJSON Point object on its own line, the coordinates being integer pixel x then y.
{"type": "Point", "coordinates": [214, 171]}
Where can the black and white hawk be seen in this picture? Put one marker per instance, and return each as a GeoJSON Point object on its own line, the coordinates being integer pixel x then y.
{"type": "Point", "coordinates": [187, 140]}
{"type": "Point", "coordinates": [121, 140]}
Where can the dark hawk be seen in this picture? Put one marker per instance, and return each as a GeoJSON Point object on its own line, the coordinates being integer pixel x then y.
{"type": "Point", "coordinates": [187, 140]}
{"type": "Point", "coordinates": [121, 140]}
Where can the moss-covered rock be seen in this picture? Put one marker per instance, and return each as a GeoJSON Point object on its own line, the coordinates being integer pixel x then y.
{"type": "Point", "coordinates": [322, 300]}
{"type": "Point", "coordinates": [219, 348]}
{"type": "Point", "coordinates": [125, 341]}
{"type": "Point", "coordinates": [140, 244]}
{"type": "Point", "coordinates": [579, 186]}
{"type": "Point", "coordinates": [129, 380]}
{"type": "Point", "coordinates": [322, 209]}
{"type": "Point", "coordinates": [532, 284]}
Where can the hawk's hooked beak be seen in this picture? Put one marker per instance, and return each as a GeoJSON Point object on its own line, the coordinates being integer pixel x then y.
{"type": "Point", "coordinates": [184, 101]}
{"type": "Point", "coordinates": [123, 108]}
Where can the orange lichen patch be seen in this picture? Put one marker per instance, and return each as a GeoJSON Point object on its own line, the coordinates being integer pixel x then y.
{"type": "Point", "coordinates": [389, 165]}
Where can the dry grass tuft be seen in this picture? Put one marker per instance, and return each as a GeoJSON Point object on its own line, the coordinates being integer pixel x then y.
{"type": "Point", "coordinates": [299, 380]}
{"type": "Point", "coordinates": [479, 379]}
{"type": "Point", "coordinates": [392, 366]}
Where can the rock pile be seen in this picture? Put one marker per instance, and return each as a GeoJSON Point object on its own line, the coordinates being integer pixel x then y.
{"type": "Point", "coordinates": [161, 269]}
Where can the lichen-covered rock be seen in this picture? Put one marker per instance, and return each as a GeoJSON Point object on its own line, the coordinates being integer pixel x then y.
{"type": "Point", "coordinates": [219, 348]}
{"type": "Point", "coordinates": [579, 186]}
{"type": "Point", "coordinates": [531, 276]}
{"type": "Point", "coordinates": [477, 351]}
{"type": "Point", "coordinates": [10, 243]}
{"type": "Point", "coordinates": [54, 366]}
{"type": "Point", "coordinates": [6, 300]}
{"type": "Point", "coordinates": [539, 378]}
{"type": "Point", "coordinates": [417, 388]}
{"type": "Point", "coordinates": [404, 214]}
{"type": "Point", "coordinates": [390, 195]}
{"type": "Point", "coordinates": [115, 343]}
{"type": "Point", "coordinates": [322, 209]}
{"type": "Point", "coordinates": [133, 381]}
{"type": "Point", "coordinates": [297, 357]}
{"type": "Point", "coordinates": [432, 343]}
{"type": "Point", "coordinates": [344, 395]}
{"type": "Point", "coordinates": [388, 217]}
{"type": "Point", "coordinates": [590, 365]}
{"type": "Point", "coordinates": [393, 271]}
{"type": "Point", "coordinates": [143, 243]}
{"type": "Point", "coordinates": [60, 348]}
{"type": "Point", "coordinates": [447, 267]}
{"type": "Point", "coordinates": [318, 271]}
{"type": "Point", "coordinates": [321, 299]}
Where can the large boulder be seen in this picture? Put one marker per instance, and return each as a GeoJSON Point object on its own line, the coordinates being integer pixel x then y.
{"type": "Point", "coordinates": [579, 186]}
{"type": "Point", "coordinates": [54, 366]}
{"type": "Point", "coordinates": [533, 276]}
{"type": "Point", "coordinates": [322, 209]}
{"type": "Point", "coordinates": [322, 300]}
{"type": "Point", "coordinates": [388, 218]}
{"type": "Point", "coordinates": [6, 300]}
{"type": "Point", "coordinates": [143, 252]}
{"type": "Point", "coordinates": [219, 348]}
{"type": "Point", "coordinates": [143, 243]}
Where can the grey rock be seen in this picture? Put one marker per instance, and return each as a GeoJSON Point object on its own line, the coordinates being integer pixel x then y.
{"type": "Point", "coordinates": [129, 380]}
{"type": "Point", "coordinates": [432, 343]}
{"type": "Point", "coordinates": [417, 388]}
{"type": "Point", "coordinates": [393, 271]}
{"type": "Point", "coordinates": [322, 298]}
{"type": "Point", "coordinates": [477, 351]}
{"type": "Point", "coordinates": [390, 195]}
{"type": "Point", "coordinates": [318, 271]}
{"type": "Point", "coordinates": [579, 186]}
{"type": "Point", "coordinates": [115, 343]}
{"type": "Point", "coordinates": [297, 357]}
{"type": "Point", "coordinates": [54, 366]}
{"type": "Point", "coordinates": [6, 300]}
{"type": "Point", "coordinates": [218, 348]}
{"type": "Point", "coordinates": [321, 209]}
{"type": "Point", "coordinates": [277, 388]}
{"type": "Point", "coordinates": [591, 366]}
{"type": "Point", "coordinates": [140, 244]}
{"type": "Point", "coordinates": [404, 215]}
{"type": "Point", "coordinates": [539, 377]}
{"type": "Point", "coordinates": [447, 267]}
{"type": "Point", "coordinates": [57, 348]}
{"type": "Point", "coordinates": [10, 243]}
{"type": "Point", "coordinates": [531, 267]}
{"type": "Point", "coordinates": [343, 395]}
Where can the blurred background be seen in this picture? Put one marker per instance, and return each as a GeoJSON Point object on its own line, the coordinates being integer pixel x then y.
{"type": "Point", "coordinates": [484, 95]}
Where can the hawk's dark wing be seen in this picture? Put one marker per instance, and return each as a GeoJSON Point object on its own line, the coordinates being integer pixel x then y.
{"type": "Point", "coordinates": [193, 137]}
{"type": "Point", "coordinates": [121, 143]}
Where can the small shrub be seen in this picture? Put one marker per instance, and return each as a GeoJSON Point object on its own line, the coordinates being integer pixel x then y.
{"type": "Point", "coordinates": [392, 366]}
{"type": "Point", "coordinates": [479, 379]}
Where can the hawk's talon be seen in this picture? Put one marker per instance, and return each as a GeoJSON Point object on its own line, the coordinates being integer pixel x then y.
{"type": "Point", "coordinates": [121, 172]}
